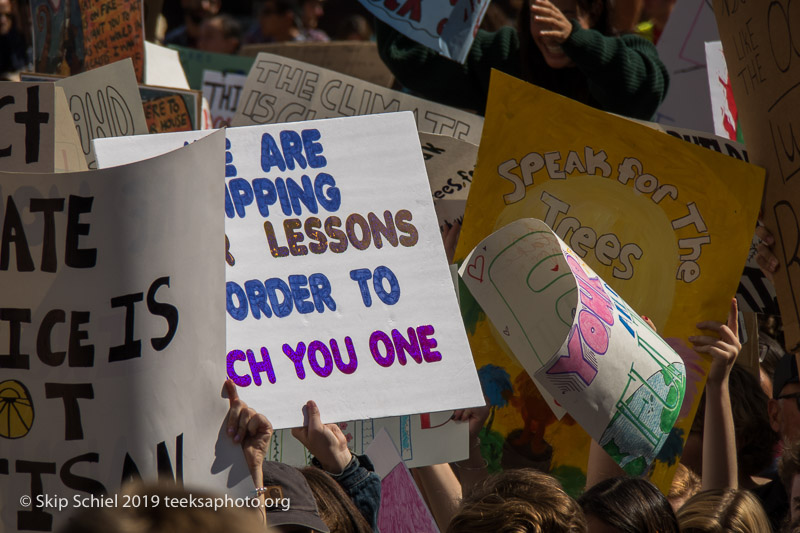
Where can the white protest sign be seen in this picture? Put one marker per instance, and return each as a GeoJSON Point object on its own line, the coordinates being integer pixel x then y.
{"type": "Point", "coordinates": [422, 440]}
{"type": "Point", "coordinates": [447, 27]}
{"type": "Point", "coordinates": [723, 106]}
{"type": "Point", "coordinates": [222, 92]}
{"type": "Point", "coordinates": [279, 89]}
{"type": "Point", "coordinates": [578, 340]}
{"type": "Point", "coordinates": [450, 164]}
{"type": "Point", "coordinates": [682, 50]}
{"type": "Point", "coordinates": [105, 102]}
{"type": "Point", "coordinates": [27, 112]}
{"type": "Point", "coordinates": [338, 287]}
{"type": "Point", "coordinates": [111, 365]}
{"type": "Point", "coordinates": [68, 151]}
{"type": "Point", "coordinates": [162, 67]}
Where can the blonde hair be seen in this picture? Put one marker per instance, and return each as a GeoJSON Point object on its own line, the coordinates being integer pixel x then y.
{"type": "Point", "coordinates": [519, 501]}
{"type": "Point", "coordinates": [723, 511]}
{"type": "Point", "coordinates": [685, 484]}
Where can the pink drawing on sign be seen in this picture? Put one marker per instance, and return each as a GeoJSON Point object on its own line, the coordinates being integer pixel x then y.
{"type": "Point", "coordinates": [475, 270]}
{"type": "Point", "coordinates": [402, 508]}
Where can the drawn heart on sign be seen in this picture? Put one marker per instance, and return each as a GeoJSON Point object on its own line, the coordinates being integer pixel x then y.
{"type": "Point", "coordinates": [555, 268]}
{"type": "Point", "coordinates": [506, 332]}
{"type": "Point", "coordinates": [475, 270]}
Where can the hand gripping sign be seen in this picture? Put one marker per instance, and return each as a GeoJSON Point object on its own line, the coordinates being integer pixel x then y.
{"type": "Point", "coordinates": [578, 340]}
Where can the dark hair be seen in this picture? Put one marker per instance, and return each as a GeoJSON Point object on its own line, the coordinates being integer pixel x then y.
{"type": "Point", "coordinates": [518, 501]}
{"type": "Point", "coordinates": [230, 26]}
{"type": "Point", "coordinates": [755, 439]}
{"type": "Point", "coordinates": [282, 6]}
{"type": "Point", "coordinates": [769, 353]}
{"type": "Point", "coordinates": [631, 505]}
{"type": "Point", "coordinates": [336, 508]}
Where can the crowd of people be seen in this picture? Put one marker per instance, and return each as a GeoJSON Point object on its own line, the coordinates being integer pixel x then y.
{"type": "Point", "coordinates": [740, 467]}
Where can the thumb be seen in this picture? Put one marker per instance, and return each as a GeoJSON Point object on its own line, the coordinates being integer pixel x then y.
{"type": "Point", "coordinates": [314, 421]}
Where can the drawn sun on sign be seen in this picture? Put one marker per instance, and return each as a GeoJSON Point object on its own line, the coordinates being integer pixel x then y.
{"type": "Point", "coordinates": [16, 410]}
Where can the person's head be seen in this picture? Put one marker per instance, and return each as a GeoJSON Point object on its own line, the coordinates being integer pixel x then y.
{"type": "Point", "coordinates": [354, 28]}
{"type": "Point", "coordinates": [336, 508]}
{"type": "Point", "coordinates": [685, 484]}
{"type": "Point", "coordinates": [310, 13]}
{"type": "Point", "coordinates": [278, 20]}
{"type": "Point", "coordinates": [518, 501]}
{"type": "Point", "coordinates": [196, 11]}
{"type": "Point", "coordinates": [790, 476]}
{"type": "Point", "coordinates": [221, 34]}
{"type": "Point", "coordinates": [285, 484]}
{"type": "Point", "coordinates": [728, 510]}
{"type": "Point", "coordinates": [6, 17]}
{"type": "Point", "coordinates": [590, 14]}
{"type": "Point", "coordinates": [155, 516]}
{"type": "Point", "coordinates": [769, 353]}
{"type": "Point", "coordinates": [755, 439]}
{"type": "Point", "coordinates": [784, 407]}
{"type": "Point", "coordinates": [627, 505]}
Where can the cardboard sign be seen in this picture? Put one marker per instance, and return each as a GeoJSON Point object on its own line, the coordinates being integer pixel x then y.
{"type": "Point", "coordinates": [450, 164]}
{"type": "Point", "coordinates": [68, 155]}
{"type": "Point", "coordinates": [760, 42]}
{"type": "Point", "coordinates": [426, 439]}
{"type": "Point", "coordinates": [354, 307]}
{"type": "Point", "coordinates": [27, 138]}
{"type": "Point", "coordinates": [163, 67]}
{"type": "Point", "coordinates": [403, 509]}
{"type": "Point", "coordinates": [282, 90]}
{"type": "Point", "coordinates": [682, 50]}
{"type": "Point", "coordinates": [168, 110]}
{"type": "Point", "coordinates": [447, 27]}
{"type": "Point", "coordinates": [74, 36]}
{"type": "Point", "coordinates": [110, 367]}
{"type": "Point", "coordinates": [104, 102]}
{"type": "Point", "coordinates": [222, 92]}
{"type": "Point", "coordinates": [359, 59]}
{"type": "Point", "coordinates": [579, 341]}
{"type": "Point", "coordinates": [666, 224]}
{"type": "Point", "coordinates": [196, 61]}
{"type": "Point", "coordinates": [723, 106]}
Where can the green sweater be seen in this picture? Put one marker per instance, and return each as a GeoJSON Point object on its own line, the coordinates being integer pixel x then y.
{"type": "Point", "coordinates": [621, 75]}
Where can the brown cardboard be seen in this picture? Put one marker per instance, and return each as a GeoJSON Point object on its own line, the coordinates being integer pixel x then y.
{"type": "Point", "coordinates": [748, 355]}
{"type": "Point", "coordinates": [354, 58]}
{"type": "Point", "coordinates": [761, 41]}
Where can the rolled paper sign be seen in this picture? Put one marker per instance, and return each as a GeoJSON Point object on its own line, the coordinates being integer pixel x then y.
{"type": "Point", "coordinates": [579, 341]}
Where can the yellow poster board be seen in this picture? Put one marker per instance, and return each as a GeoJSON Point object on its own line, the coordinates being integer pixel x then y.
{"type": "Point", "coordinates": [667, 224]}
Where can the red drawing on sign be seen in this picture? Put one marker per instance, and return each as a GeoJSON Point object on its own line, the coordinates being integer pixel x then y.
{"type": "Point", "coordinates": [555, 268]}
{"type": "Point", "coordinates": [731, 115]}
{"type": "Point", "coordinates": [475, 270]}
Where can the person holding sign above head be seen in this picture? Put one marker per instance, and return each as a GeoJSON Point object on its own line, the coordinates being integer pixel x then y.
{"type": "Point", "coordinates": [566, 46]}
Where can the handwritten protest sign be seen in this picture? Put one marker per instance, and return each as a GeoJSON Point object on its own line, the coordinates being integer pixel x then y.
{"type": "Point", "coordinates": [104, 102]}
{"type": "Point", "coordinates": [422, 440]}
{"type": "Point", "coordinates": [79, 35]}
{"type": "Point", "coordinates": [222, 92]}
{"type": "Point", "coordinates": [579, 340]}
{"type": "Point", "coordinates": [281, 90]}
{"type": "Point", "coordinates": [682, 50]}
{"type": "Point", "coordinates": [450, 164]}
{"type": "Point", "coordinates": [402, 509]}
{"type": "Point", "coordinates": [666, 224]}
{"type": "Point", "coordinates": [27, 138]}
{"type": "Point", "coordinates": [338, 288]}
{"type": "Point", "coordinates": [110, 368]}
{"type": "Point", "coordinates": [359, 59]}
{"type": "Point", "coordinates": [761, 43]}
{"type": "Point", "coordinates": [167, 110]}
{"type": "Point", "coordinates": [196, 61]}
{"type": "Point", "coordinates": [447, 27]}
{"type": "Point", "coordinates": [68, 154]}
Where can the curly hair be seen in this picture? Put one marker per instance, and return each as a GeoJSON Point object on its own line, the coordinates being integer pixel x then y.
{"type": "Point", "coordinates": [519, 501]}
{"type": "Point", "coordinates": [723, 510]}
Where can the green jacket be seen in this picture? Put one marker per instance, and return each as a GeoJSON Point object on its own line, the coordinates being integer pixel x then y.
{"type": "Point", "coordinates": [621, 75]}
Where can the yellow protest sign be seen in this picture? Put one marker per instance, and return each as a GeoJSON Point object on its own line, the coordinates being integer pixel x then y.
{"type": "Point", "coordinates": [665, 223]}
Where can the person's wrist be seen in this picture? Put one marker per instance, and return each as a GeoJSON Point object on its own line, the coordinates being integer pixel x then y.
{"type": "Point", "coordinates": [337, 463]}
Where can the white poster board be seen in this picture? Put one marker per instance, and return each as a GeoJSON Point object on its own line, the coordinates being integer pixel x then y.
{"type": "Point", "coordinates": [723, 106]}
{"type": "Point", "coordinates": [279, 89]}
{"type": "Point", "coordinates": [363, 273]}
{"type": "Point", "coordinates": [110, 364]}
{"type": "Point", "coordinates": [104, 102]}
{"type": "Point", "coordinates": [578, 340]}
{"type": "Point", "coordinates": [682, 49]}
{"type": "Point", "coordinates": [222, 91]}
{"type": "Point", "coordinates": [27, 135]}
{"type": "Point", "coordinates": [446, 27]}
